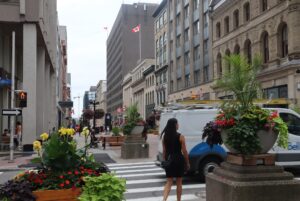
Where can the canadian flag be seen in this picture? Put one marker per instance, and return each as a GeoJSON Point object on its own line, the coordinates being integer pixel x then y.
{"type": "Point", "coordinates": [136, 29]}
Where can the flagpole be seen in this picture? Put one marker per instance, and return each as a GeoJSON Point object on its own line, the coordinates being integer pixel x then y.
{"type": "Point", "coordinates": [140, 42]}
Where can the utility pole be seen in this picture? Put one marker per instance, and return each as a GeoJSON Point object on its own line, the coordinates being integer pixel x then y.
{"type": "Point", "coordinates": [94, 103]}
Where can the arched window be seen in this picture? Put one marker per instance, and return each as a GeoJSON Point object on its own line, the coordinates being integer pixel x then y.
{"type": "Point", "coordinates": [247, 12]}
{"type": "Point", "coordinates": [218, 29]}
{"type": "Point", "coordinates": [236, 19]}
{"type": "Point", "coordinates": [248, 50]}
{"type": "Point", "coordinates": [237, 49]}
{"type": "Point", "coordinates": [219, 65]}
{"type": "Point", "coordinates": [265, 46]}
{"type": "Point", "coordinates": [227, 53]}
{"type": "Point", "coordinates": [264, 5]}
{"type": "Point", "coordinates": [226, 25]}
{"type": "Point", "coordinates": [283, 40]}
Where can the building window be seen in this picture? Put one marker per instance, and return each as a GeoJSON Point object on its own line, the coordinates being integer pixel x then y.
{"type": "Point", "coordinates": [236, 19]}
{"type": "Point", "coordinates": [196, 53]}
{"type": "Point", "coordinates": [187, 58]}
{"type": "Point", "coordinates": [218, 30]}
{"type": "Point", "coordinates": [157, 26]}
{"type": "Point", "coordinates": [186, 12]}
{"type": "Point", "coordinates": [178, 19]}
{"type": "Point", "coordinates": [187, 80]}
{"type": "Point", "coordinates": [265, 47]}
{"type": "Point", "coordinates": [197, 77]}
{"type": "Point", "coordinates": [227, 53]}
{"type": "Point", "coordinates": [248, 50]}
{"type": "Point", "coordinates": [178, 39]}
{"type": "Point", "coordinates": [226, 25]}
{"type": "Point", "coordinates": [196, 27]}
{"type": "Point", "coordinates": [196, 4]}
{"type": "Point", "coordinates": [283, 34]}
{"type": "Point", "coordinates": [219, 65]}
{"type": "Point", "coordinates": [247, 12]}
{"type": "Point", "coordinates": [205, 74]}
{"type": "Point", "coordinates": [171, 86]}
{"type": "Point", "coordinates": [161, 21]}
{"type": "Point", "coordinates": [264, 5]}
{"type": "Point", "coordinates": [205, 47]}
{"type": "Point", "coordinates": [171, 47]}
{"type": "Point", "coordinates": [276, 92]}
{"type": "Point", "coordinates": [205, 19]}
{"type": "Point", "coordinates": [165, 17]}
{"type": "Point", "coordinates": [186, 35]}
{"type": "Point", "coordinates": [179, 84]}
{"type": "Point", "coordinates": [237, 49]}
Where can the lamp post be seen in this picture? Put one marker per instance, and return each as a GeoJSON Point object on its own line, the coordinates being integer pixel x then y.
{"type": "Point", "coordinates": [94, 103]}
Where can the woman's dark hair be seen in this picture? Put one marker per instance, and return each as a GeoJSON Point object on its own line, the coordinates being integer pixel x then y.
{"type": "Point", "coordinates": [169, 132]}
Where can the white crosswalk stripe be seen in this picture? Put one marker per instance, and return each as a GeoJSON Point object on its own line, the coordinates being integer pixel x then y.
{"type": "Point", "coordinates": [145, 181]}
{"type": "Point", "coordinates": [1, 173]}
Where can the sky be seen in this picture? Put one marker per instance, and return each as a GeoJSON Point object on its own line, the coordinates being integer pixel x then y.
{"type": "Point", "coordinates": [85, 21]}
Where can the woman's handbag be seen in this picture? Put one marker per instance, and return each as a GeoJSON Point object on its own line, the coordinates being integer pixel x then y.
{"type": "Point", "coordinates": [166, 164]}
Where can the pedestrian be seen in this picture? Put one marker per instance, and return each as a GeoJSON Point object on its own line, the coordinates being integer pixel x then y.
{"type": "Point", "coordinates": [18, 133]}
{"type": "Point", "coordinates": [174, 150]}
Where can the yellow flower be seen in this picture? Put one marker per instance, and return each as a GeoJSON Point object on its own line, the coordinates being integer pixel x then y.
{"type": "Point", "coordinates": [70, 131]}
{"type": "Point", "coordinates": [62, 131]}
{"type": "Point", "coordinates": [85, 131]}
{"type": "Point", "coordinates": [37, 145]}
{"type": "Point", "coordinates": [44, 136]}
{"type": "Point", "coordinates": [19, 176]}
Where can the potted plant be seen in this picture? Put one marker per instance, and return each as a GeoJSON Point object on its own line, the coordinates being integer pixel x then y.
{"type": "Point", "coordinates": [246, 128]}
{"type": "Point", "coordinates": [61, 167]}
{"type": "Point", "coordinates": [134, 124]}
{"type": "Point", "coordinates": [104, 187]}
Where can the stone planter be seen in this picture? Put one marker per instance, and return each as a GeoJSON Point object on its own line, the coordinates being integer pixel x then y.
{"type": "Point", "coordinates": [54, 195]}
{"type": "Point", "coordinates": [267, 140]}
{"type": "Point", "coordinates": [134, 145]}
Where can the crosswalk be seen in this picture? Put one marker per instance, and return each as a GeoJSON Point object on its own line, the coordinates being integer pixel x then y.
{"type": "Point", "coordinates": [145, 181]}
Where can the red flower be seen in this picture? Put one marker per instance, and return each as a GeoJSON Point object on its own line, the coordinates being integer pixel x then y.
{"type": "Point", "coordinates": [67, 182]}
{"type": "Point", "coordinates": [69, 172]}
{"type": "Point", "coordinates": [61, 176]}
{"type": "Point", "coordinates": [76, 172]}
{"type": "Point", "coordinates": [62, 185]}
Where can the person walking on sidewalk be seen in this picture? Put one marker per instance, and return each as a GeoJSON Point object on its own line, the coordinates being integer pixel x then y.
{"type": "Point", "coordinates": [174, 150]}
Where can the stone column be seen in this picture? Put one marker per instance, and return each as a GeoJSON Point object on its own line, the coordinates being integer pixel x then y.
{"type": "Point", "coordinates": [47, 93]}
{"type": "Point", "coordinates": [30, 83]}
{"type": "Point", "coordinates": [53, 100]}
{"type": "Point", "coordinates": [41, 93]}
{"type": "Point", "coordinates": [294, 29]}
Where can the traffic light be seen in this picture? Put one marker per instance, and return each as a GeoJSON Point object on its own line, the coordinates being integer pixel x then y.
{"type": "Point", "coordinates": [22, 97]}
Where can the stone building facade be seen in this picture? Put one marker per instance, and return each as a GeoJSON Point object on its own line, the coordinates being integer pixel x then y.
{"type": "Point", "coordinates": [35, 25]}
{"type": "Point", "coordinates": [161, 52]}
{"type": "Point", "coordinates": [268, 28]}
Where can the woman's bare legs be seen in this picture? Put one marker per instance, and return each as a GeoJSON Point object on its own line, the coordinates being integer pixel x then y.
{"type": "Point", "coordinates": [167, 188]}
{"type": "Point", "coordinates": [179, 188]}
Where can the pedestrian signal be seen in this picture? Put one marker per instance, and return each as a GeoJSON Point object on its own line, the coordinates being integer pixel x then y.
{"type": "Point", "coordinates": [22, 97]}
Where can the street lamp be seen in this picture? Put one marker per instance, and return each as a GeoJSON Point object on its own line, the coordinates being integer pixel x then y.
{"type": "Point", "coordinates": [94, 103]}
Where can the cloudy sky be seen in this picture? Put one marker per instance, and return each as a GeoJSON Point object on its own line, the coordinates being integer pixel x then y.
{"type": "Point", "coordinates": [85, 21]}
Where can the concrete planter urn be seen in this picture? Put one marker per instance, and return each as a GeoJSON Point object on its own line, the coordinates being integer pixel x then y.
{"type": "Point", "coordinates": [134, 145]}
{"type": "Point", "coordinates": [267, 140]}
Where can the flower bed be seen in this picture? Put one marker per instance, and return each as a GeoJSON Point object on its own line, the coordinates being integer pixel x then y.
{"type": "Point", "coordinates": [61, 172]}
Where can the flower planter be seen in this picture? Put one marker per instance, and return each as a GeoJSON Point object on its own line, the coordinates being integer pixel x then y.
{"type": "Point", "coordinates": [115, 140]}
{"type": "Point", "coordinates": [54, 195]}
{"type": "Point", "coordinates": [267, 140]}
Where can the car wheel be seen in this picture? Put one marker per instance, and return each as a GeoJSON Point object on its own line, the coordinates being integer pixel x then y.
{"type": "Point", "coordinates": [207, 166]}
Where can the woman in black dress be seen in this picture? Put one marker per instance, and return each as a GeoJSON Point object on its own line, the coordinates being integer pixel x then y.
{"type": "Point", "coordinates": [174, 148]}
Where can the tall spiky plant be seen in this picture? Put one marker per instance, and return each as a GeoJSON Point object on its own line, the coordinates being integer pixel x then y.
{"type": "Point", "coordinates": [241, 79]}
{"type": "Point", "coordinates": [132, 118]}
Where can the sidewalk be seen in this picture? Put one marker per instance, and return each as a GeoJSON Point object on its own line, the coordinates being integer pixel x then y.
{"type": "Point", "coordinates": [20, 158]}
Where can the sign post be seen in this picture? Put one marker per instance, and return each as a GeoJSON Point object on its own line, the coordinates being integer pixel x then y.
{"type": "Point", "coordinates": [11, 112]}
{"type": "Point", "coordinates": [12, 118]}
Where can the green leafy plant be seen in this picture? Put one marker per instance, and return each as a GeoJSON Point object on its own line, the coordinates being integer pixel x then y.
{"type": "Point", "coordinates": [115, 131]}
{"type": "Point", "coordinates": [106, 187]}
{"type": "Point", "coordinates": [132, 119]}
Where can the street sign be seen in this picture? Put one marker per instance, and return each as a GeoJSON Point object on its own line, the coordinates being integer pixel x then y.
{"type": "Point", "coordinates": [11, 112]}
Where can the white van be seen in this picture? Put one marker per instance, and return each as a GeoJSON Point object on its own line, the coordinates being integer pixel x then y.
{"type": "Point", "coordinates": [204, 159]}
